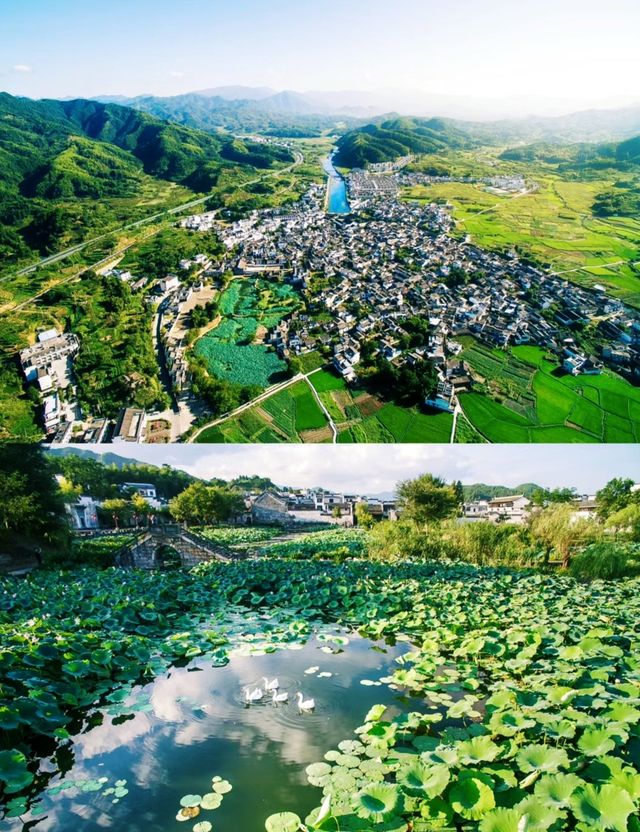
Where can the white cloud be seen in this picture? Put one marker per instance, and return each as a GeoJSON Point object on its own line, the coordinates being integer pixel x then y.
{"type": "Point", "coordinates": [22, 68]}
{"type": "Point", "coordinates": [371, 469]}
{"type": "Point", "coordinates": [176, 74]}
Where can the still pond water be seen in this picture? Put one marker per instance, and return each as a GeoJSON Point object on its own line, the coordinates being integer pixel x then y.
{"type": "Point", "coordinates": [192, 724]}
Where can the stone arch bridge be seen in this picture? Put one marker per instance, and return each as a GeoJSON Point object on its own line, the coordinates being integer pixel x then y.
{"type": "Point", "coordinates": [145, 551]}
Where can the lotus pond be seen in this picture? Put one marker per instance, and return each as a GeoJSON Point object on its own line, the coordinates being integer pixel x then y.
{"type": "Point", "coordinates": [458, 698]}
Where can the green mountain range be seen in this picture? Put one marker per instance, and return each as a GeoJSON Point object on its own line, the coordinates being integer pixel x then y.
{"type": "Point", "coordinates": [480, 491]}
{"type": "Point", "coordinates": [284, 114]}
{"type": "Point", "coordinates": [54, 152]}
{"type": "Point", "coordinates": [394, 138]}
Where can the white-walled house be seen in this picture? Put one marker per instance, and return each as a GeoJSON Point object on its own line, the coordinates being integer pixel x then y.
{"type": "Point", "coordinates": [511, 509]}
{"type": "Point", "coordinates": [84, 513]}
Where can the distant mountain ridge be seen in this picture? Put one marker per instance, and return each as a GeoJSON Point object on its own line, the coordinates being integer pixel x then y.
{"type": "Point", "coordinates": [54, 152]}
{"type": "Point", "coordinates": [506, 119]}
{"type": "Point", "coordinates": [213, 110]}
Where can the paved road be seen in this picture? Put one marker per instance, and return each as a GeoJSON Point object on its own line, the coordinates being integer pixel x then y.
{"type": "Point", "coordinates": [334, 429]}
{"type": "Point", "coordinates": [456, 412]}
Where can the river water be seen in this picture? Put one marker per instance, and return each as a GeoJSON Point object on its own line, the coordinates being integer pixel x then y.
{"type": "Point", "coordinates": [337, 202]}
{"type": "Point", "coordinates": [192, 724]}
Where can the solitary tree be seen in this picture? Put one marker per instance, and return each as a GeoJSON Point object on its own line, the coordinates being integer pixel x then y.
{"type": "Point", "coordinates": [202, 504]}
{"type": "Point", "coordinates": [626, 521]}
{"type": "Point", "coordinates": [427, 499]}
{"type": "Point", "coordinates": [31, 505]}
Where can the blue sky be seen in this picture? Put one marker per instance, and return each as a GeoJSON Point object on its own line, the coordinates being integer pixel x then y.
{"type": "Point", "coordinates": [377, 468]}
{"type": "Point", "coordinates": [583, 50]}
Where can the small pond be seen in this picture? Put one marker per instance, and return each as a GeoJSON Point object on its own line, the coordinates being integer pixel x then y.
{"type": "Point", "coordinates": [191, 724]}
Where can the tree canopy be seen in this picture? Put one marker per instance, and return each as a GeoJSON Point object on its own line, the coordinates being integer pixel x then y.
{"type": "Point", "coordinates": [202, 504]}
{"type": "Point", "coordinates": [32, 506]}
{"type": "Point", "coordinates": [428, 499]}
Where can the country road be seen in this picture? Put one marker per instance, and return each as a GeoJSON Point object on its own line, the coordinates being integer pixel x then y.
{"type": "Point", "coordinates": [332, 425]}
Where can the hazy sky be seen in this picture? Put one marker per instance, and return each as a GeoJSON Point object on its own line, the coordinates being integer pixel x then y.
{"type": "Point", "coordinates": [377, 468]}
{"type": "Point", "coordinates": [585, 51]}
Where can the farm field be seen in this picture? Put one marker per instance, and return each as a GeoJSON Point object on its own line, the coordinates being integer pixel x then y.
{"type": "Point", "coordinates": [290, 415]}
{"type": "Point", "coordinates": [555, 225]}
{"type": "Point", "coordinates": [132, 673]}
{"type": "Point", "coordinates": [524, 398]}
{"type": "Point", "coordinates": [234, 349]}
{"type": "Point", "coordinates": [293, 415]}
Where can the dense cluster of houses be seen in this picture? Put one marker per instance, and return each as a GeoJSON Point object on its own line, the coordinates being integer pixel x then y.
{"type": "Point", "coordinates": [309, 506]}
{"type": "Point", "coordinates": [515, 509]}
{"type": "Point", "coordinates": [391, 260]}
{"type": "Point", "coordinates": [365, 274]}
{"type": "Point", "coordinates": [285, 508]}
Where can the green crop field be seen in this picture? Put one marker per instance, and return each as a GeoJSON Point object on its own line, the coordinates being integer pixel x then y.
{"type": "Point", "coordinates": [396, 424]}
{"type": "Point", "coordinates": [555, 224]}
{"type": "Point", "coordinates": [525, 398]}
{"type": "Point", "coordinates": [293, 415]}
{"type": "Point", "coordinates": [325, 381]}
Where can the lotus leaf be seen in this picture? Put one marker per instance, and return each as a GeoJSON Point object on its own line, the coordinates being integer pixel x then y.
{"type": "Point", "coordinates": [542, 758]}
{"type": "Point", "coordinates": [190, 800]}
{"type": "Point", "coordinates": [596, 741]}
{"type": "Point", "coordinates": [556, 789]}
{"type": "Point", "coordinates": [282, 822]}
{"type": "Point", "coordinates": [476, 750]}
{"type": "Point", "coordinates": [540, 815]}
{"type": "Point", "coordinates": [502, 820]}
{"type": "Point", "coordinates": [603, 807]}
{"type": "Point", "coordinates": [429, 781]}
{"type": "Point", "coordinates": [378, 802]}
{"type": "Point", "coordinates": [472, 797]}
{"type": "Point", "coordinates": [14, 772]}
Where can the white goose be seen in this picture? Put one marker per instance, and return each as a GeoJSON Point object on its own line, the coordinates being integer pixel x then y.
{"type": "Point", "coordinates": [270, 685]}
{"type": "Point", "coordinates": [305, 705]}
{"type": "Point", "coordinates": [276, 697]}
{"type": "Point", "coordinates": [252, 695]}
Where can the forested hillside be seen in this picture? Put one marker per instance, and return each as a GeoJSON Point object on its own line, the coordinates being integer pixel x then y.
{"type": "Point", "coordinates": [399, 137]}
{"type": "Point", "coordinates": [623, 156]}
{"type": "Point", "coordinates": [54, 153]}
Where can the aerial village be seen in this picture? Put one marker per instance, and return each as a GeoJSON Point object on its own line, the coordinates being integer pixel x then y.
{"type": "Point", "coordinates": [362, 274]}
